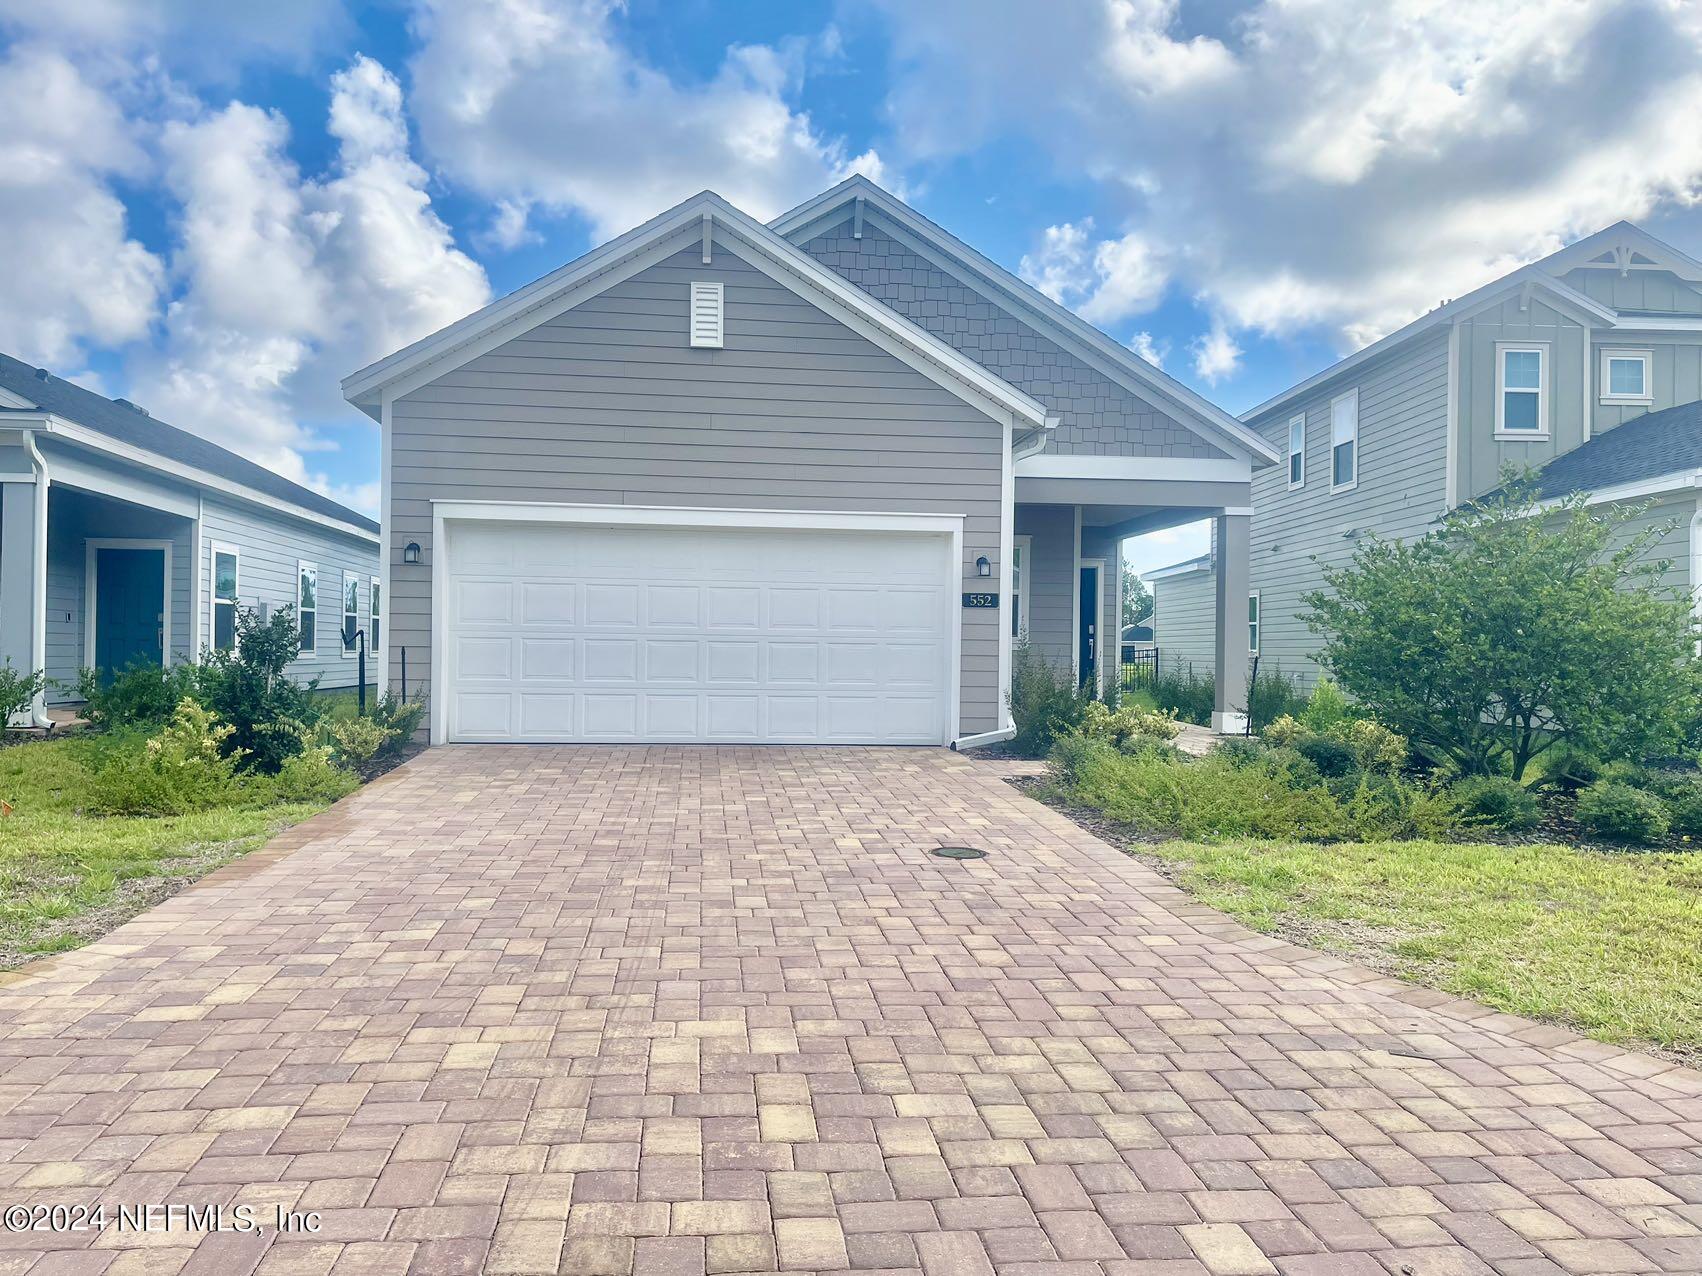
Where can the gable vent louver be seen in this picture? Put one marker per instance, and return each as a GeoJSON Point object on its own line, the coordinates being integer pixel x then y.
{"type": "Point", "coordinates": [706, 315]}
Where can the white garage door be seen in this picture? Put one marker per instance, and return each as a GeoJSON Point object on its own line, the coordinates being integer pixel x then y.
{"type": "Point", "coordinates": [584, 633]}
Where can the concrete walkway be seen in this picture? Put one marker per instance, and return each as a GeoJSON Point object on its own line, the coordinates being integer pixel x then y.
{"type": "Point", "coordinates": [540, 1010]}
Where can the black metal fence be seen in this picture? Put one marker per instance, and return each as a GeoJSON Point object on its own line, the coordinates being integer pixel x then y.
{"type": "Point", "coordinates": [1140, 667]}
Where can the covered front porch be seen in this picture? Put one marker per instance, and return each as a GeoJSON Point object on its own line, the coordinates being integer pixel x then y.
{"type": "Point", "coordinates": [91, 581]}
{"type": "Point", "coordinates": [1072, 515]}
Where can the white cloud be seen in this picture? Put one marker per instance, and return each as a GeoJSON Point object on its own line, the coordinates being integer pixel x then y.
{"type": "Point", "coordinates": [74, 277]}
{"type": "Point", "coordinates": [1102, 282]}
{"type": "Point", "coordinates": [1319, 163]}
{"type": "Point", "coordinates": [1216, 355]}
{"type": "Point", "coordinates": [537, 103]}
{"type": "Point", "coordinates": [286, 282]}
{"type": "Point", "coordinates": [1152, 350]}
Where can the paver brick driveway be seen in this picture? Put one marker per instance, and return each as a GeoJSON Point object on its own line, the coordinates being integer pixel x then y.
{"type": "Point", "coordinates": [675, 1010]}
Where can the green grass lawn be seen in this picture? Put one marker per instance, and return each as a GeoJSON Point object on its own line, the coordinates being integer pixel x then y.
{"type": "Point", "coordinates": [1609, 944]}
{"type": "Point", "coordinates": [67, 878]}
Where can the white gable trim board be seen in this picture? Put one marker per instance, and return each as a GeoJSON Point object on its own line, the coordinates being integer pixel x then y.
{"type": "Point", "coordinates": [617, 623]}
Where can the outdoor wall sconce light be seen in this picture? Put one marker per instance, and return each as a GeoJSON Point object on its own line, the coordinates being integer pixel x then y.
{"type": "Point", "coordinates": [411, 554]}
{"type": "Point", "coordinates": [983, 567]}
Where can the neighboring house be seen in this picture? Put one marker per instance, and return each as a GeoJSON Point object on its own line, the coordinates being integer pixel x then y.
{"type": "Point", "coordinates": [1586, 365]}
{"type": "Point", "coordinates": [1184, 609]}
{"type": "Point", "coordinates": [1136, 638]}
{"type": "Point", "coordinates": [805, 482]}
{"type": "Point", "coordinates": [125, 539]}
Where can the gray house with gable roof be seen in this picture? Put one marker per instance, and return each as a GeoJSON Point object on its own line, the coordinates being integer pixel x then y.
{"type": "Point", "coordinates": [1585, 366]}
{"type": "Point", "coordinates": [125, 539]}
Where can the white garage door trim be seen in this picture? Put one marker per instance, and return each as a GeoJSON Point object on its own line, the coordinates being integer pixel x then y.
{"type": "Point", "coordinates": [947, 526]}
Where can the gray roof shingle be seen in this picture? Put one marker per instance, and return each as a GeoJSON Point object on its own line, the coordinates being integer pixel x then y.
{"type": "Point", "coordinates": [1645, 447]}
{"type": "Point", "coordinates": [131, 425]}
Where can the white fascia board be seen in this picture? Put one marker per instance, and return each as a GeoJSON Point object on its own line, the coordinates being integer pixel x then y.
{"type": "Point", "coordinates": [1185, 469]}
{"type": "Point", "coordinates": [1187, 568]}
{"type": "Point", "coordinates": [1686, 325]}
{"type": "Point", "coordinates": [1636, 490]}
{"type": "Point", "coordinates": [603, 268]}
{"type": "Point", "coordinates": [1586, 308]}
{"type": "Point", "coordinates": [60, 428]}
{"type": "Point", "coordinates": [890, 214]}
{"type": "Point", "coordinates": [12, 400]}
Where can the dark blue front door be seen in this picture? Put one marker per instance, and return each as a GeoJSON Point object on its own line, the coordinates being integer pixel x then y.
{"type": "Point", "coordinates": [129, 592]}
{"type": "Point", "coordinates": [1087, 640]}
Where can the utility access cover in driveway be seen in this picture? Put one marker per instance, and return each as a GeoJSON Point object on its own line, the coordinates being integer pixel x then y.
{"type": "Point", "coordinates": [590, 1010]}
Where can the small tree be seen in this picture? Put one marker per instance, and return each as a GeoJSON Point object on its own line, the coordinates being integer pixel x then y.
{"type": "Point", "coordinates": [270, 715]}
{"type": "Point", "coordinates": [1137, 598]}
{"type": "Point", "coordinates": [17, 691]}
{"type": "Point", "coordinates": [1508, 630]}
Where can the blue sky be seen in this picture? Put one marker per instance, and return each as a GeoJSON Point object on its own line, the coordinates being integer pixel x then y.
{"type": "Point", "coordinates": [220, 209]}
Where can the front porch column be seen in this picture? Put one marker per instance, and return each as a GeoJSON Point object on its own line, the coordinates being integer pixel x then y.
{"type": "Point", "coordinates": [20, 606]}
{"type": "Point", "coordinates": [1229, 713]}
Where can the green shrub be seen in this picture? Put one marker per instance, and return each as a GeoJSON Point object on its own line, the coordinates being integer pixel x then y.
{"type": "Point", "coordinates": [1045, 703]}
{"type": "Point", "coordinates": [17, 691]}
{"type": "Point", "coordinates": [1375, 747]}
{"type": "Point", "coordinates": [402, 718]}
{"type": "Point", "coordinates": [141, 695]}
{"type": "Point", "coordinates": [1187, 695]}
{"type": "Point", "coordinates": [1569, 768]}
{"type": "Point", "coordinates": [357, 741]}
{"type": "Point", "coordinates": [1614, 809]}
{"type": "Point", "coordinates": [1326, 709]}
{"type": "Point", "coordinates": [1271, 696]}
{"type": "Point", "coordinates": [1241, 750]}
{"type": "Point", "coordinates": [1333, 758]}
{"type": "Point", "coordinates": [310, 776]}
{"type": "Point", "coordinates": [1497, 802]}
{"type": "Point", "coordinates": [183, 768]}
{"type": "Point", "coordinates": [272, 717]}
{"type": "Point", "coordinates": [1130, 724]}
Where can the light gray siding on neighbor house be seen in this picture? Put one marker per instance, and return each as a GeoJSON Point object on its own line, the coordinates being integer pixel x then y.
{"type": "Point", "coordinates": [1670, 517]}
{"type": "Point", "coordinates": [75, 517]}
{"type": "Point", "coordinates": [1654, 292]}
{"type": "Point", "coordinates": [1184, 622]}
{"type": "Point", "coordinates": [1097, 416]}
{"type": "Point", "coordinates": [1675, 376]}
{"type": "Point", "coordinates": [608, 404]}
{"type": "Point", "coordinates": [1401, 489]}
{"type": "Point", "coordinates": [270, 549]}
{"type": "Point", "coordinates": [1567, 381]}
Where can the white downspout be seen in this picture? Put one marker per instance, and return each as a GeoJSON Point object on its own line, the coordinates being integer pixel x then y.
{"type": "Point", "coordinates": [38, 580]}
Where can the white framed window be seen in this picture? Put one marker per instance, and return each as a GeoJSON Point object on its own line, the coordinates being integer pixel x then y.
{"type": "Point", "coordinates": [1021, 552]}
{"type": "Point", "coordinates": [1297, 451]}
{"type": "Point", "coordinates": [351, 613]}
{"type": "Point", "coordinates": [1253, 623]}
{"type": "Point", "coordinates": [1521, 390]}
{"type": "Point", "coordinates": [307, 606]}
{"type": "Point", "coordinates": [1344, 441]}
{"type": "Point", "coordinates": [1627, 376]}
{"type": "Point", "coordinates": [227, 569]}
{"type": "Point", "coordinates": [374, 618]}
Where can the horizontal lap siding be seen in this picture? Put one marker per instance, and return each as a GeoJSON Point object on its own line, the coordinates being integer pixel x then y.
{"type": "Point", "coordinates": [1403, 413]}
{"type": "Point", "coordinates": [1097, 417]}
{"type": "Point", "coordinates": [73, 518]}
{"type": "Point", "coordinates": [1184, 622]}
{"type": "Point", "coordinates": [269, 551]}
{"type": "Point", "coordinates": [607, 404]}
{"type": "Point", "coordinates": [1051, 579]}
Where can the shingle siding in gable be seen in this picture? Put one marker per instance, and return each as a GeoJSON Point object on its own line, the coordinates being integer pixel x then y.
{"type": "Point", "coordinates": [1098, 417]}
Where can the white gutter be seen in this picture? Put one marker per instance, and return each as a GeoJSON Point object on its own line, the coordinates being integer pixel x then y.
{"type": "Point", "coordinates": [1659, 485]}
{"type": "Point", "coordinates": [82, 436]}
{"type": "Point", "coordinates": [38, 580]}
